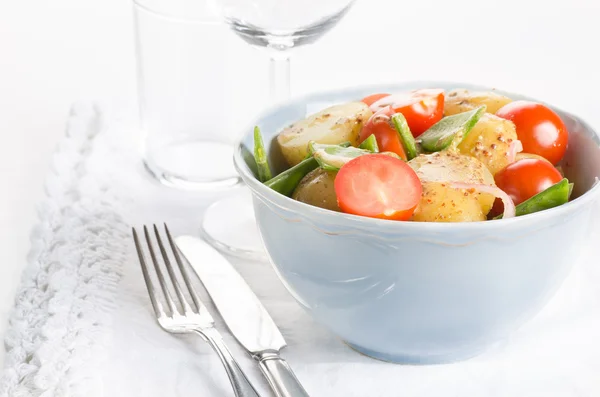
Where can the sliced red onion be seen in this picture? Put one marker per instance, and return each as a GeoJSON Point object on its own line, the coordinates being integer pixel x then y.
{"type": "Point", "coordinates": [509, 205]}
{"type": "Point", "coordinates": [380, 118]}
{"type": "Point", "coordinates": [515, 147]}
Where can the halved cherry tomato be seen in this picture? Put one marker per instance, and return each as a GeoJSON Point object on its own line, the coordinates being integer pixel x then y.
{"type": "Point", "coordinates": [421, 108]}
{"type": "Point", "coordinates": [540, 129]}
{"type": "Point", "coordinates": [371, 99]}
{"type": "Point", "coordinates": [525, 178]}
{"type": "Point", "coordinates": [387, 137]}
{"type": "Point", "coordinates": [378, 186]}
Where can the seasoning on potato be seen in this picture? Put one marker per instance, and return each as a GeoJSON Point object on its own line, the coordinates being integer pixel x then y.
{"type": "Point", "coordinates": [489, 141]}
{"type": "Point", "coordinates": [334, 125]}
{"type": "Point", "coordinates": [443, 203]}
{"type": "Point", "coordinates": [459, 101]}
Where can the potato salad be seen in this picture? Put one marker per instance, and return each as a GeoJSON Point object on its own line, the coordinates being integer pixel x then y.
{"type": "Point", "coordinates": [424, 156]}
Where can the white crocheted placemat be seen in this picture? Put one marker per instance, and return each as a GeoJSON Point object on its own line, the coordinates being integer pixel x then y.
{"type": "Point", "coordinates": [62, 311]}
{"type": "Point", "coordinates": [82, 323]}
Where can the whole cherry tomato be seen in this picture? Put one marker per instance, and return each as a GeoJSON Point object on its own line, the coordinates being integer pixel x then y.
{"type": "Point", "coordinates": [539, 128]}
{"type": "Point", "coordinates": [525, 178]}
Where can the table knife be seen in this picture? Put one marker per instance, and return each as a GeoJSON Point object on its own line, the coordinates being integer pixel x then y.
{"type": "Point", "coordinates": [244, 314]}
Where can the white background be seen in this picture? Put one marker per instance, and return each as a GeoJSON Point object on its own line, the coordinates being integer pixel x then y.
{"type": "Point", "coordinates": [55, 52]}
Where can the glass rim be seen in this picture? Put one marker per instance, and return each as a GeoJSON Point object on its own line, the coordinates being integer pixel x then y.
{"type": "Point", "coordinates": [212, 14]}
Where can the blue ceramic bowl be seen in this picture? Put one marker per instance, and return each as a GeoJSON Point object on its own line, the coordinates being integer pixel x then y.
{"type": "Point", "coordinates": [420, 292]}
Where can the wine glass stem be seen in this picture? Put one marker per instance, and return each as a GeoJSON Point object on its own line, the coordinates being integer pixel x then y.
{"type": "Point", "coordinates": [280, 77]}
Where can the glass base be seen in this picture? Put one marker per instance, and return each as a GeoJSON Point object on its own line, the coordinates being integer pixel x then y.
{"type": "Point", "coordinates": [229, 225]}
{"type": "Point", "coordinates": [195, 165]}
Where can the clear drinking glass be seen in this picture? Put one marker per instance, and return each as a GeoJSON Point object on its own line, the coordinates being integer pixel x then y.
{"type": "Point", "coordinates": [277, 26]}
{"type": "Point", "coordinates": [186, 93]}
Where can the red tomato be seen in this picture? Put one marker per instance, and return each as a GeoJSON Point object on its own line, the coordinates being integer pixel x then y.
{"type": "Point", "coordinates": [541, 131]}
{"type": "Point", "coordinates": [421, 108]}
{"type": "Point", "coordinates": [378, 186]}
{"type": "Point", "coordinates": [387, 137]}
{"type": "Point", "coordinates": [525, 178]}
{"type": "Point", "coordinates": [371, 99]}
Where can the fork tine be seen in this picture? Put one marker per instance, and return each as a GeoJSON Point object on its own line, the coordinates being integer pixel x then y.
{"type": "Point", "coordinates": [178, 290]}
{"type": "Point", "coordinates": [158, 309]}
{"type": "Point", "coordinates": [161, 278]}
{"type": "Point", "coordinates": [183, 270]}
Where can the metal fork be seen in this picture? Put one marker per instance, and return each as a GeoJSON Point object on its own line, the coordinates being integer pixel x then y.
{"type": "Point", "coordinates": [192, 318]}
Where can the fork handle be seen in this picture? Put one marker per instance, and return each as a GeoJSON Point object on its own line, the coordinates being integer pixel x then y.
{"type": "Point", "coordinates": [280, 376]}
{"type": "Point", "coordinates": [241, 385]}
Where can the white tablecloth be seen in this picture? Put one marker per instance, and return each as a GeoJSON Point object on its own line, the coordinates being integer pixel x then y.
{"type": "Point", "coordinates": [82, 324]}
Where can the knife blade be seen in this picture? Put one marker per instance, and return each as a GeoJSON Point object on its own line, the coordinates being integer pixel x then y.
{"type": "Point", "coordinates": [244, 314]}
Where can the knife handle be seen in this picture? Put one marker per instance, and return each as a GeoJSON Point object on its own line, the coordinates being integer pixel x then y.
{"type": "Point", "coordinates": [240, 383]}
{"type": "Point", "coordinates": [280, 376]}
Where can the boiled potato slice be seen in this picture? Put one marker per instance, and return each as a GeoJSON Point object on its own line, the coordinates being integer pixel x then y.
{"type": "Point", "coordinates": [489, 141]}
{"type": "Point", "coordinates": [317, 189]}
{"type": "Point", "coordinates": [336, 124]}
{"type": "Point", "coordinates": [442, 203]}
{"type": "Point", "coordinates": [459, 101]}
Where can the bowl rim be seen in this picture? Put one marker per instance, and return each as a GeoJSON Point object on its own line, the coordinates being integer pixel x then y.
{"type": "Point", "coordinates": [332, 217]}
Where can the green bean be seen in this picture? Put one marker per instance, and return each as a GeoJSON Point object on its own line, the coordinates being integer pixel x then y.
{"type": "Point", "coordinates": [406, 137]}
{"type": "Point", "coordinates": [571, 186]}
{"type": "Point", "coordinates": [333, 157]}
{"type": "Point", "coordinates": [260, 156]}
{"type": "Point", "coordinates": [370, 144]}
{"type": "Point", "coordinates": [555, 195]}
{"type": "Point", "coordinates": [286, 182]}
{"type": "Point", "coordinates": [450, 129]}
{"type": "Point", "coordinates": [312, 146]}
